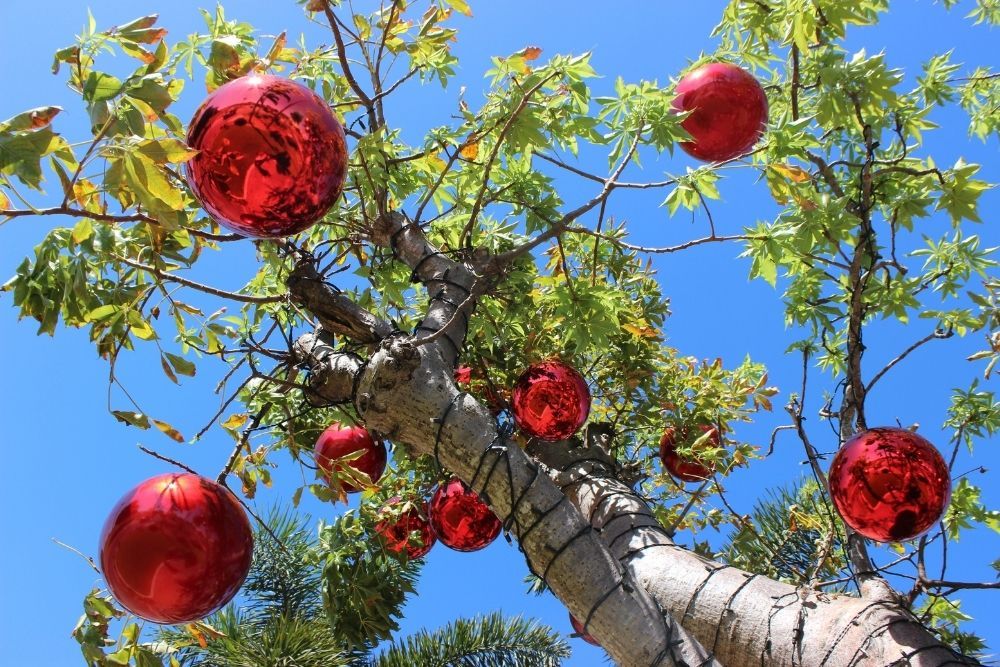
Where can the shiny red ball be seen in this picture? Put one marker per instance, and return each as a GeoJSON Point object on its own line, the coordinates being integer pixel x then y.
{"type": "Point", "coordinates": [410, 532]}
{"type": "Point", "coordinates": [551, 400]}
{"type": "Point", "coordinates": [729, 111]}
{"type": "Point", "coordinates": [686, 469]}
{"type": "Point", "coordinates": [338, 441]}
{"type": "Point", "coordinates": [461, 520]}
{"type": "Point", "coordinates": [176, 548]}
{"type": "Point", "coordinates": [272, 157]}
{"type": "Point", "coordinates": [889, 484]}
{"type": "Point", "coordinates": [578, 629]}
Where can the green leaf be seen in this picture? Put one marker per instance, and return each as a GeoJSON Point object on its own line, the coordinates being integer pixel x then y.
{"type": "Point", "coordinates": [137, 419]}
{"type": "Point", "coordinates": [32, 119]}
{"type": "Point", "coordinates": [102, 312]}
{"type": "Point", "coordinates": [167, 370]}
{"type": "Point", "coordinates": [167, 150]}
{"type": "Point", "coordinates": [152, 189]}
{"type": "Point", "coordinates": [82, 230]}
{"type": "Point", "coordinates": [460, 6]}
{"type": "Point", "coordinates": [21, 154]}
{"type": "Point", "coordinates": [101, 86]}
{"type": "Point", "coordinates": [181, 365]}
{"type": "Point", "coordinates": [139, 326]}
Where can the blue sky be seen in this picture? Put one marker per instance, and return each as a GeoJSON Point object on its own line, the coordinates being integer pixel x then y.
{"type": "Point", "coordinates": [66, 461]}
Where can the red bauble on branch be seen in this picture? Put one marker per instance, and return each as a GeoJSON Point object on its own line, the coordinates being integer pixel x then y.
{"type": "Point", "coordinates": [338, 441]}
{"type": "Point", "coordinates": [686, 469]}
{"type": "Point", "coordinates": [889, 484]}
{"type": "Point", "coordinates": [409, 532]}
{"type": "Point", "coordinates": [176, 548]}
{"type": "Point", "coordinates": [578, 629]}
{"type": "Point", "coordinates": [461, 520]}
{"type": "Point", "coordinates": [466, 375]}
{"type": "Point", "coordinates": [550, 400]}
{"type": "Point", "coordinates": [272, 157]}
{"type": "Point", "coordinates": [728, 111]}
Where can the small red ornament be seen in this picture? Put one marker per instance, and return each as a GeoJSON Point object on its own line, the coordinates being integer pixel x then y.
{"type": "Point", "coordinates": [176, 548]}
{"type": "Point", "coordinates": [889, 484]}
{"type": "Point", "coordinates": [465, 375]}
{"type": "Point", "coordinates": [272, 158]}
{"type": "Point", "coordinates": [410, 532]}
{"type": "Point", "coordinates": [338, 441]}
{"type": "Point", "coordinates": [551, 400]}
{"type": "Point", "coordinates": [729, 111]}
{"type": "Point", "coordinates": [684, 469]}
{"type": "Point", "coordinates": [578, 629]}
{"type": "Point", "coordinates": [461, 520]}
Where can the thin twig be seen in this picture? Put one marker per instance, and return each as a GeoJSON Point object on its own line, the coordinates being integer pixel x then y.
{"type": "Point", "coordinates": [167, 459]}
{"type": "Point", "coordinates": [937, 333]}
{"type": "Point", "coordinates": [208, 289]}
{"type": "Point", "coordinates": [488, 167]}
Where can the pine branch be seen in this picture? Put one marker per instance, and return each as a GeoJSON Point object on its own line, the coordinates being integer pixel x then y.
{"type": "Point", "coordinates": [486, 641]}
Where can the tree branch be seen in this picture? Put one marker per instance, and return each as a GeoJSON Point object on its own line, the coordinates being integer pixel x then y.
{"type": "Point", "coordinates": [106, 217]}
{"type": "Point", "coordinates": [208, 289]}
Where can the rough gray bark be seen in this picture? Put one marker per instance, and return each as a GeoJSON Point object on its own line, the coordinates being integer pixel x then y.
{"type": "Point", "coordinates": [592, 538]}
{"type": "Point", "coordinates": [742, 618]}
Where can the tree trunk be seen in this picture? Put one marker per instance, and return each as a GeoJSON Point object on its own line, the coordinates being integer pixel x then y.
{"type": "Point", "coordinates": [594, 541]}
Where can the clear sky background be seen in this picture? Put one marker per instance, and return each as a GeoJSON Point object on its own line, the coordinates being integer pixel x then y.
{"type": "Point", "coordinates": [66, 460]}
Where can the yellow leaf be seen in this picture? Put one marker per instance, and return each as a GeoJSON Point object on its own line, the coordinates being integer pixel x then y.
{"type": "Point", "coordinates": [792, 173]}
{"type": "Point", "coordinates": [4, 201]}
{"type": "Point", "coordinates": [86, 194]}
{"type": "Point", "coordinates": [168, 430]}
{"type": "Point", "coordinates": [202, 632]}
{"type": "Point", "coordinates": [436, 162]}
{"type": "Point", "coordinates": [470, 150]}
{"type": "Point", "coordinates": [235, 421]}
{"type": "Point", "coordinates": [531, 52]}
{"type": "Point", "coordinates": [645, 331]}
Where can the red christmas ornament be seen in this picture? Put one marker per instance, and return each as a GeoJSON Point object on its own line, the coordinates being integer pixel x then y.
{"type": "Point", "coordinates": [460, 519]}
{"type": "Point", "coordinates": [410, 532]}
{"type": "Point", "coordinates": [338, 441]}
{"type": "Point", "coordinates": [578, 629]}
{"type": "Point", "coordinates": [685, 469]}
{"type": "Point", "coordinates": [729, 111]}
{"type": "Point", "coordinates": [465, 375]}
{"type": "Point", "coordinates": [551, 400]}
{"type": "Point", "coordinates": [272, 157]}
{"type": "Point", "coordinates": [176, 548]}
{"type": "Point", "coordinates": [889, 484]}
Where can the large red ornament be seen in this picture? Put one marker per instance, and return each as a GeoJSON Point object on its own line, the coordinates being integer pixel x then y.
{"type": "Point", "coordinates": [409, 532]}
{"type": "Point", "coordinates": [176, 548]}
{"type": "Point", "coordinates": [686, 469]}
{"type": "Point", "coordinates": [461, 520]}
{"type": "Point", "coordinates": [551, 400]}
{"type": "Point", "coordinates": [889, 484]}
{"type": "Point", "coordinates": [272, 157]}
{"type": "Point", "coordinates": [578, 629]}
{"type": "Point", "coordinates": [729, 111]}
{"type": "Point", "coordinates": [338, 441]}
